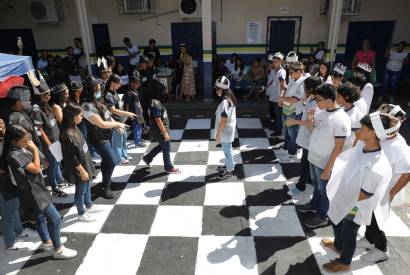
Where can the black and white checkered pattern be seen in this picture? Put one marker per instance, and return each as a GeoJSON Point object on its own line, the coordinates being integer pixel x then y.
{"type": "Point", "coordinates": [191, 223]}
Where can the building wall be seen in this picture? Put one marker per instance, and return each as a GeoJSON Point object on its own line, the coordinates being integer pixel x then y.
{"type": "Point", "coordinates": [230, 22]}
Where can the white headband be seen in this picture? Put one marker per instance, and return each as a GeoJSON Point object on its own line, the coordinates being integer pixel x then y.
{"type": "Point", "coordinates": [221, 85]}
{"type": "Point", "coordinates": [395, 110]}
{"type": "Point", "coordinates": [378, 127]}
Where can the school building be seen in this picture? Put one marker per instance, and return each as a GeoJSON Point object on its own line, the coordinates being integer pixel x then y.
{"type": "Point", "coordinates": [209, 27]}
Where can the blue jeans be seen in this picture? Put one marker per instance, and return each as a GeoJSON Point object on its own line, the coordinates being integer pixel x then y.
{"type": "Point", "coordinates": [82, 196]}
{"type": "Point", "coordinates": [137, 131]}
{"type": "Point", "coordinates": [345, 239]}
{"type": "Point", "coordinates": [53, 172]}
{"type": "Point", "coordinates": [108, 161]}
{"type": "Point", "coordinates": [119, 145]}
{"type": "Point", "coordinates": [229, 161]}
{"type": "Point", "coordinates": [55, 226]}
{"type": "Point", "coordinates": [165, 147]}
{"type": "Point", "coordinates": [319, 198]}
{"type": "Point", "coordinates": [10, 220]}
{"type": "Point", "coordinates": [390, 79]}
{"type": "Point", "coordinates": [290, 134]}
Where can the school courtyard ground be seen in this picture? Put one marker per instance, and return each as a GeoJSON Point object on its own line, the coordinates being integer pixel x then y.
{"type": "Point", "coordinates": [191, 223]}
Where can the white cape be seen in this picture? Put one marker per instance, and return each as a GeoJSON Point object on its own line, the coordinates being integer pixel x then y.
{"type": "Point", "coordinates": [344, 186]}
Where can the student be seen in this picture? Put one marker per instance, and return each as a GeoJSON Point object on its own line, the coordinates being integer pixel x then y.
{"type": "Point", "coordinates": [134, 54]}
{"type": "Point", "coordinates": [275, 89]}
{"type": "Point", "coordinates": [59, 98]}
{"type": "Point", "coordinates": [152, 52]}
{"type": "Point", "coordinates": [225, 125]}
{"type": "Point", "coordinates": [103, 72]}
{"type": "Point", "coordinates": [132, 104]}
{"type": "Point", "coordinates": [354, 191]}
{"type": "Point", "coordinates": [364, 55]}
{"type": "Point", "coordinates": [358, 80]}
{"type": "Point", "coordinates": [398, 154]}
{"type": "Point", "coordinates": [330, 128]}
{"type": "Point", "coordinates": [303, 137]}
{"type": "Point", "coordinates": [115, 106]}
{"type": "Point", "coordinates": [76, 88]}
{"type": "Point", "coordinates": [319, 53]}
{"type": "Point", "coordinates": [47, 125]}
{"type": "Point", "coordinates": [338, 73]}
{"type": "Point", "coordinates": [346, 96]}
{"type": "Point", "coordinates": [239, 73]}
{"type": "Point", "coordinates": [9, 205]}
{"type": "Point", "coordinates": [324, 72]}
{"type": "Point", "coordinates": [230, 63]}
{"type": "Point", "coordinates": [77, 161]}
{"type": "Point", "coordinates": [367, 91]}
{"type": "Point", "coordinates": [24, 162]}
{"type": "Point", "coordinates": [160, 133]}
{"type": "Point", "coordinates": [292, 108]}
{"type": "Point", "coordinates": [99, 128]}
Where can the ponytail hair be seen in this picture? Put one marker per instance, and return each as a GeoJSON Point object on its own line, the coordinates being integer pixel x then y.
{"type": "Point", "coordinates": [228, 94]}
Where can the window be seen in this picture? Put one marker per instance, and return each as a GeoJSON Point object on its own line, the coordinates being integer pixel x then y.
{"type": "Point", "coordinates": [349, 7]}
{"type": "Point", "coordinates": [135, 6]}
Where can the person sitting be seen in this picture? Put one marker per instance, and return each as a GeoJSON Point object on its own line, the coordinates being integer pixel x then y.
{"type": "Point", "coordinates": [239, 83]}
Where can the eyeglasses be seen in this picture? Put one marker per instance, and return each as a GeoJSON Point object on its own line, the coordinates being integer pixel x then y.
{"type": "Point", "coordinates": [319, 99]}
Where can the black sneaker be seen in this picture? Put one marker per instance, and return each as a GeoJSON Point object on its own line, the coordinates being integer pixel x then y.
{"type": "Point", "coordinates": [316, 222]}
{"type": "Point", "coordinates": [225, 175]}
{"type": "Point", "coordinates": [305, 208]}
{"type": "Point", "coordinates": [219, 145]}
{"type": "Point", "coordinates": [108, 193]}
{"type": "Point", "coordinates": [147, 163]}
{"type": "Point", "coordinates": [60, 193]}
{"type": "Point", "coordinates": [221, 168]}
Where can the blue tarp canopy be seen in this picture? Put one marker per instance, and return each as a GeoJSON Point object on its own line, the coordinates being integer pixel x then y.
{"type": "Point", "coordinates": [14, 65]}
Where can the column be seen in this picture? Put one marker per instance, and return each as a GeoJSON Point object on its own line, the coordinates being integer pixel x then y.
{"type": "Point", "coordinates": [334, 15]}
{"type": "Point", "coordinates": [84, 31]}
{"type": "Point", "coordinates": [207, 48]}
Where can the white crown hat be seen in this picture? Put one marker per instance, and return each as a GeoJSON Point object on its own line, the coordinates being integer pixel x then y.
{"type": "Point", "coordinates": [222, 83]}
{"type": "Point", "coordinates": [364, 66]}
{"type": "Point", "coordinates": [340, 68]}
{"type": "Point", "coordinates": [292, 57]}
{"type": "Point", "coordinates": [102, 63]}
{"type": "Point", "coordinates": [277, 55]}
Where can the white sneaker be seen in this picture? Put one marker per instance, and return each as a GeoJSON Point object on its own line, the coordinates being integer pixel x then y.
{"type": "Point", "coordinates": [94, 209]}
{"type": "Point", "coordinates": [375, 256]}
{"type": "Point", "coordinates": [64, 253]}
{"type": "Point", "coordinates": [364, 243]}
{"type": "Point", "coordinates": [86, 218]}
{"type": "Point", "coordinates": [48, 247]}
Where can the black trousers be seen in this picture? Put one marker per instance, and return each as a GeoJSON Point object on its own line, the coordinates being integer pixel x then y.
{"type": "Point", "coordinates": [345, 239]}
{"type": "Point", "coordinates": [304, 171]}
{"type": "Point", "coordinates": [376, 236]}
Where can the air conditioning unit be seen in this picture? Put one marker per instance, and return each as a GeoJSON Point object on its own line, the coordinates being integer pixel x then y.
{"type": "Point", "coordinates": [46, 11]}
{"type": "Point", "coordinates": [190, 8]}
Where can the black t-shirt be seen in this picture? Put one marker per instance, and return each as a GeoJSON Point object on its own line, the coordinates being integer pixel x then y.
{"type": "Point", "coordinates": [44, 118]}
{"type": "Point", "coordinates": [152, 53]}
{"type": "Point", "coordinates": [7, 190]}
{"type": "Point", "coordinates": [157, 110]}
{"type": "Point", "coordinates": [22, 119]}
{"type": "Point", "coordinates": [31, 186]}
{"type": "Point", "coordinates": [75, 152]}
{"type": "Point", "coordinates": [96, 135]}
{"type": "Point", "coordinates": [113, 100]}
{"type": "Point", "coordinates": [131, 99]}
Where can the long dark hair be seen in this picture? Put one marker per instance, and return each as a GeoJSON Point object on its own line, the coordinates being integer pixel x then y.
{"type": "Point", "coordinates": [67, 127]}
{"type": "Point", "coordinates": [90, 86]}
{"type": "Point", "coordinates": [328, 69]}
{"type": "Point", "coordinates": [113, 78]}
{"type": "Point", "coordinates": [16, 132]}
{"type": "Point", "coordinates": [242, 66]}
{"type": "Point", "coordinates": [228, 94]}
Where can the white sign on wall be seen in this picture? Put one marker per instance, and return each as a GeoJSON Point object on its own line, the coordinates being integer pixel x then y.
{"type": "Point", "coordinates": [254, 32]}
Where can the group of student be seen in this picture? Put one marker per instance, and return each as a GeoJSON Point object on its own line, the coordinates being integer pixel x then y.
{"type": "Point", "coordinates": [43, 129]}
{"type": "Point", "coordinates": [357, 162]}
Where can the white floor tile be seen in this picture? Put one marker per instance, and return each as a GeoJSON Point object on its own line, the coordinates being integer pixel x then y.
{"type": "Point", "coordinates": [198, 123]}
{"type": "Point", "coordinates": [395, 227]}
{"type": "Point", "coordinates": [114, 253]}
{"type": "Point", "coordinates": [138, 150]}
{"type": "Point", "coordinates": [181, 221]}
{"type": "Point", "coordinates": [225, 193]}
{"type": "Point", "coordinates": [249, 123]}
{"type": "Point", "coordinates": [70, 221]}
{"type": "Point", "coordinates": [218, 157]}
{"type": "Point", "coordinates": [158, 159]}
{"type": "Point", "coordinates": [121, 173]}
{"type": "Point", "coordinates": [226, 255]}
{"type": "Point", "coordinates": [359, 267]}
{"type": "Point", "coordinates": [142, 193]}
{"type": "Point", "coordinates": [247, 144]}
{"type": "Point", "coordinates": [189, 173]}
{"type": "Point", "coordinates": [193, 145]}
{"type": "Point", "coordinates": [263, 172]}
{"type": "Point", "coordinates": [274, 221]}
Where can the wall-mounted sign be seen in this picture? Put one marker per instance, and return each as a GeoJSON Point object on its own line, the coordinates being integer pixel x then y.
{"type": "Point", "coordinates": [254, 32]}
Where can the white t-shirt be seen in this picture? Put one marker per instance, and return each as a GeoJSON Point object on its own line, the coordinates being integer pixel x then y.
{"type": "Point", "coordinates": [319, 55]}
{"type": "Point", "coordinates": [226, 109]}
{"type": "Point", "coordinates": [396, 60]}
{"type": "Point", "coordinates": [275, 77]}
{"type": "Point", "coordinates": [238, 74]}
{"type": "Point", "coordinates": [361, 104]}
{"type": "Point", "coordinates": [355, 116]}
{"type": "Point", "coordinates": [303, 137]}
{"type": "Point", "coordinates": [41, 64]}
{"type": "Point", "coordinates": [367, 94]}
{"type": "Point", "coordinates": [230, 66]}
{"type": "Point", "coordinates": [296, 89]}
{"type": "Point", "coordinates": [328, 125]}
{"type": "Point", "coordinates": [135, 60]}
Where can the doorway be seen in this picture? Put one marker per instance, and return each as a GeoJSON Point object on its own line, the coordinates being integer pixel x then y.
{"type": "Point", "coordinates": [102, 40]}
{"type": "Point", "coordinates": [283, 33]}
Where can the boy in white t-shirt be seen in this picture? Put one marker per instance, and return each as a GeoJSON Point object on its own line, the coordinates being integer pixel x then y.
{"type": "Point", "coordinates": [274, 89]}
{"type": "Point", "coordinates": [133, 54]}
{"type": "Point", "coordinates": [359, 180]}
{"type": "Point", "coordinates": [330, 128]}
{"type": "Point", "coordinates": [364, 89]}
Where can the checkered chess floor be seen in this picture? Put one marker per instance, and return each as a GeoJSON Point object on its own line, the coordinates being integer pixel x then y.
{"type": "Point", "coordinates": [191, 223]}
